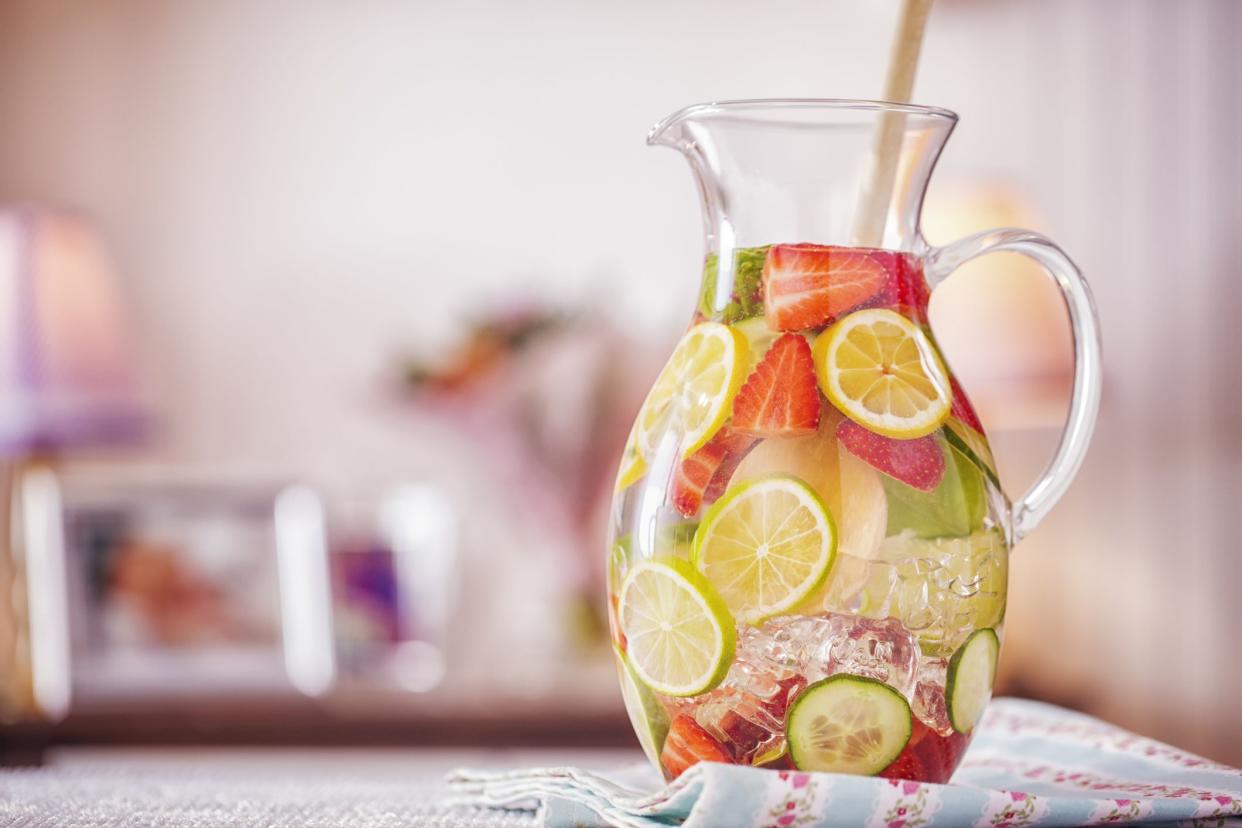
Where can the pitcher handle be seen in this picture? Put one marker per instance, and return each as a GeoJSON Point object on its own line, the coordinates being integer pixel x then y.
{"type": "Point", "coordinates": [1035, 504]}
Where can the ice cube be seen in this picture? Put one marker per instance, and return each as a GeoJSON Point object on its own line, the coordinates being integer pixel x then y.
{"type": "Point", "coordinates": [880, 649]}
{"type": "Point", "coordinates": [818, 646]}
{"type": "Point", "coordinates": [928, 701]}
{"type": "Point", "coordinates": [776, 661]}
{"type": "Point", "coordinates": [748, 727]}
{"type": "Point", "coordinates": [747, 711]}
{"type": "Point", "coordinates": [946, 588]}
{"type": "Point", "coordinates": [790, 643]}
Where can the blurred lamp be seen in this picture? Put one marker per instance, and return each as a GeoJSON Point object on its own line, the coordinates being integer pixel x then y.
{"type": "Point", "coordinates": [67, 381]}
{"type": "Point", "coordinates": [1000, 320]}
{"type": "Point", "coordinates": [67, 376]}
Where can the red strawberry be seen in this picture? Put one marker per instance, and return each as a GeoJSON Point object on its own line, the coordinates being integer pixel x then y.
{"type": "Point", "coordinates": [688, 744]}
{"type": "Point", "coordinates": [942, 754]}
{"type": "Point", "coordinates": [962, 409]}
{"type": "Point", "coordinates": [909, 763]}
{"type": "Point", "coordinates": [703, 476]}
{"type": "Point", "coordinates": [790, 686]}
{"type": "Point", "coordinates": [928, 756]}
{"type": "Point", "coordinates": [780, 397]}
{"type": "Point", "coordinates": [744, 736]}
{"type": "Point", "coordinates": [906, 289]}
{"type": "Point", "coordinates": [808, 285]}
{"type": "Point", "coordinates": [737, 449]}
{"type": "Point", "coordinates": [918, 463]}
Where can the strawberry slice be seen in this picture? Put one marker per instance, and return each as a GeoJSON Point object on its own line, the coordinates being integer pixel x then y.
{"type": "Point", "coordinates": [962, 409]}
{"type": "Point", "coordinates": [688, 744]}
{"type": "Point", "coordinates": [808, 285]}
{"type": "Point", "coordinates": [928, 756]}
{"type": "Point", "coordinates": [909, 763]}
{"type": "Point", "coordinates": [703, 476]}
{"type": "Point", "coordinates": [780, 398]}
{"type": "Point", "coordinates": [918, 463]}
{"type": "Point", "coordinates": [906, 290]}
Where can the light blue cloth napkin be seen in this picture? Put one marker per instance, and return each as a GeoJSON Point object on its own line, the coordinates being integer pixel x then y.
{"type": "Point", "coordinates": [1030, 764]}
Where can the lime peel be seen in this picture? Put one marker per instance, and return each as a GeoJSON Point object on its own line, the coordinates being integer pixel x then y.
{"type": "Point", "coordinates": [679, 634]}
{"type": "Point", "coordinates": [734, 553]}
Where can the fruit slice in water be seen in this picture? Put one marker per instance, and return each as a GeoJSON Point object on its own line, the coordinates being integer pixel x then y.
{"type": "Point", "coordinates": [744, 299]}
{"type": "Point", "coordinates": [633, 467]}
{"type": "Point", "coordinates": [973, 447]}
{"type": "Point", "coordinates": [704, 474]}
{"type": "Point", "coordinates": [850, 489]}
{"type": "Point", "coordinates": [882, 372]}
{"type": "Point", "coordinates": [971, 673]}
{"type": "Point", "coordinates": [907, 290]}
{"type": "Point", "coordinates": [848, 724]}
{"type": "Point", "coordinates": [955, 508]}
{"type": "Point", "coordinates": [688, 744]}
{"type": "Point", "coordinates": [929, 756]}
{"type": "Point", "coordinates": [695, 391]}
{"type": "Point", "coordinates": [765, 546]}
{"type": "Point", "coordinates": [779, 398]}
{"type": "Point", "coordinates": [807, 285]}
{"type": "Point", "coordinates": [918, 462]}
{"type": "Point", "coordinates": [759, 337]}
{"type": "Point", "coordinates": [647, 715]}
{"type": "Point", "coordinates": [678, 633]}
{"type": "Point", "coordinates": [962, 409]}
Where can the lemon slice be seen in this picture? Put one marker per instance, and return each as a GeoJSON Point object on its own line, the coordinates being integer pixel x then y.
{"type": "Point", "coordinates": [633, 466]}
{"type": "Point", "coordinates": [759, 337]}
{"type": "Point", "coordinates": [695, 390]}
{"type": "Point", "coordinates": [679, 635]}
{"type": "Point", "coordinates": [883, 373]}
{"type": "Point", "coordinates": [766, 545]}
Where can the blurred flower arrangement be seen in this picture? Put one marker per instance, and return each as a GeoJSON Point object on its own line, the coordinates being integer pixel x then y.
{"type": "Point", "coordinates": [544, 398]}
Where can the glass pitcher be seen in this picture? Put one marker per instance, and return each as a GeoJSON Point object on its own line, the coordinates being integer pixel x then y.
{"type": "Point", "coordinates": [809, 544]}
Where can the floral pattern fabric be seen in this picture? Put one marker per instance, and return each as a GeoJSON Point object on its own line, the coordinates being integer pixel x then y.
{"type": "Point", "coordinates": [1030, 764]}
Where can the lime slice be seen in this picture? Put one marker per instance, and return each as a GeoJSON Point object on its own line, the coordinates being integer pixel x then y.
{"type": "Point", "coordinates": [848, 724]}
{"type": "Point", "coordinates": [969, 682]}
{"type": "Point", "coordinates": [850, 489]}
{"type": "Point", "coordinates": [694, 392]}
{"type": "Point", "coordinates": [679, 634]}
{"type": "Point", "coordinates": [883, 372]}
{"type": "Point", "coordinates": [766, 545]}
{"type": "Point", "coordinates": [647, 715]}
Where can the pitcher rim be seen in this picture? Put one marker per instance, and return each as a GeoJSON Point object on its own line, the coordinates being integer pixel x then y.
{"type": "Point", "coordinates": [742, 104]}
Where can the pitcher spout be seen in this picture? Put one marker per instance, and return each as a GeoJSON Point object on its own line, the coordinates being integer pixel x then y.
{"type": "Point", "coordinates": [794, 168]}
{"type": "Point", "coordinates": [668, 132]}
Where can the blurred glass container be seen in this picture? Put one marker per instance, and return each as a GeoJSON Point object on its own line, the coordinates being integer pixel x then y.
{"type": "Point", "coordinates": [158, 587]}
{"type": "Point", "coordinates": [394, 567]}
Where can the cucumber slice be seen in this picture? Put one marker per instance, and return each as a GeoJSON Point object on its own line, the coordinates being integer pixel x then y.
{"type": "Point", "coordinates": [647, 715]}
{"type": "Point", "coordinates": [971, 673]}
{"type": "Point", "coordinates": [848, 724]}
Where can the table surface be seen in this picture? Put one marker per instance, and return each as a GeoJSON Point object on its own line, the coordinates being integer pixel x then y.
{"type": "Point", "coordinates": [274, 788]}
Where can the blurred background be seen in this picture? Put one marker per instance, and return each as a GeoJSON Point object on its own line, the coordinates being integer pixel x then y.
{"type": "Point", "coordinates": [322, 324]}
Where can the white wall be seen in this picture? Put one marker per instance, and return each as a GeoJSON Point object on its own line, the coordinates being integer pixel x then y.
{"type": "Point", "coordinates": [298, 191]}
